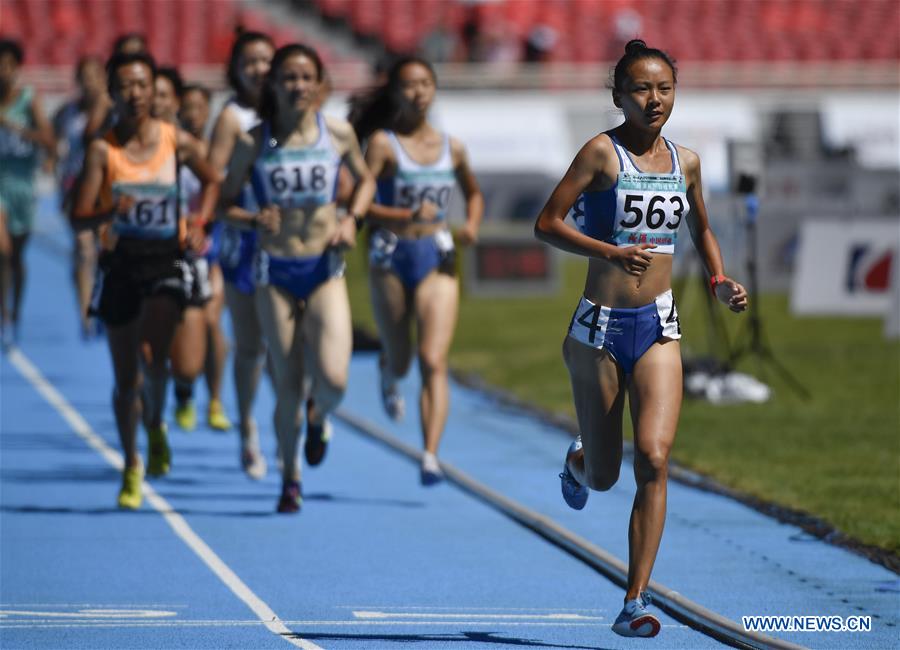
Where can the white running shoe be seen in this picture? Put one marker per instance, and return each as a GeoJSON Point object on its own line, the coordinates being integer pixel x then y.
{"type": "Point", "coordinates": [635, 620]}
{"type": "Point", "coordinates": [431, 470]}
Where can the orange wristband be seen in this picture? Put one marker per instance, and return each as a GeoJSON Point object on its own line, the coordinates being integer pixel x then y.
{"type": "Point", "coordinates": [716, 280]}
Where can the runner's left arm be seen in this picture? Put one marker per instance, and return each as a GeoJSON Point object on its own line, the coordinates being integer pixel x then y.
{"type": "Point", "coordinates": [726, 290]}
{"type": "Point", "coordinates": [364, 192]}
{"type": "Point", "coordinates": [468, 234]}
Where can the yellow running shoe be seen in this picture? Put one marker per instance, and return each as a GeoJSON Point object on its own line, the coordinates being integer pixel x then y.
{"type": "Point", "coordinates": [130, 496]}
{"type": "Point", "coordinates": [186, 416]}
{"type": "Point", "coordinates": [159, 458]}
{"type": "Point", "coordinates": [216, 417]}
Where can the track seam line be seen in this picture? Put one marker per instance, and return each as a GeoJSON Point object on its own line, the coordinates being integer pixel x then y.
{"type": "Point", "coordinates": [670, 601]}
{"type": "Point", "coordinates": [178, 523]}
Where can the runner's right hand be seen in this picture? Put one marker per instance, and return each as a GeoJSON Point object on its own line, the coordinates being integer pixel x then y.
{"type": "Point", "coordinates": [124, 203]}
{"type": "Point", "coordinates": [634, 259]}
{"type": "Point", "coordinates": [426, 212]}
{"type": "Point", "coordinates": [269, 218]}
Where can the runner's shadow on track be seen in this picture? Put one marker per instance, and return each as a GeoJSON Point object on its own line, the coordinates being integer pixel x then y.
{"type": "Point", "coordinates": [322, 497]}
{"type": "Point", "coordinates": [44, 510]}
{"type": "Point", "coordinates": [230, 468]}
{"type": "Point", "coordinates": [18, 441]}
{"type": "Point", "coordinates": [462, 637]}
{"type": "Point", "coordinates": [64, 474]}
{"type": "Point", "coordinates": [218, 496]}
{"type": "Point", "coordinates": [331, 498]}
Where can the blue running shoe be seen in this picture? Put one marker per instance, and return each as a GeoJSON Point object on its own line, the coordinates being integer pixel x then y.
{"type": "Point", "coordinates": [431, 473]}
{"type": "Point", "coordinates": [291, 499]}
{"type": "Point", "coordinates": [635, 620]}
{"type": "Point", "coordinates": [575, 494]}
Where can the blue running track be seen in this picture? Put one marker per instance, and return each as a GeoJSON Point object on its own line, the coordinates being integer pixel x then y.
{"type": "Point", "coordinates": [374, 560]}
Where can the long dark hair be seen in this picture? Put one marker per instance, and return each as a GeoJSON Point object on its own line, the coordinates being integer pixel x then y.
{"type": "Point", "coordinates": [243, 39]}
{"type": "Point", "coordinates": [385, 107]}
{"type": "Point", "coordinates": [13, 47]}
{"type": "Point", "coordinates": [174, 77]}
{"type": "Point", "coordinates": [268, 103]}
{"type": "Point", "coordinates": [635, 50]}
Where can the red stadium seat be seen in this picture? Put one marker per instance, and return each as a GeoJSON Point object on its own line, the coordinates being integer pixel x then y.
{"type": "Point", "coordinates": [202, 31]}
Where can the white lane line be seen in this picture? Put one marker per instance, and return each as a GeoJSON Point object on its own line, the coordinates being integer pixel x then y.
{"type": "Point", "coordinates": [504, 617]}
{"type": "Point", "coordinates": [570, 610]}
{"type": "Point", "coordinates": [118, 606]}
{"type": "Point", "coordinates": [176, 521]}
{"type": "Point", "coordinates": [88, 613]}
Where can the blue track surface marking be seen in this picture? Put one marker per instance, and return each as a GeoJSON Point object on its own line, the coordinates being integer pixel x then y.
{"type": "Point", "coordinates": [374, 560]}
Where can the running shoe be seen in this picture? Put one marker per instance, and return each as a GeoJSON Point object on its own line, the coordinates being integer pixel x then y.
{"type": "Point", "coordinates": [574, 493]}
{"type": "Point", "coordinates": [317, 438]}
{"type": "Point", "coordinates": [431, 470]}
{"type": "Point", "coordinates": [130, 496]}
{"type": "Point", "coordinates": [394, 404]}
{"type": "Point", "coordinates": [635, 620]}
{"type": "Point", "coordinates": [253, 462]}
{"type": "Point", "coordinates": [7, 341]}
{"type": "Point", "coordinates": [215, 416]}
{"type": "Point", "coordinates": [186, 415]}
{"type": "Point", "coordinates": [160, 457]}
{"type": "Point", "coordinates": [291, 497]}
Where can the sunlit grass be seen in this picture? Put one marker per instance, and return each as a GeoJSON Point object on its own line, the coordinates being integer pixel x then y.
{"type": "Point", "coordinates": [836, 456]}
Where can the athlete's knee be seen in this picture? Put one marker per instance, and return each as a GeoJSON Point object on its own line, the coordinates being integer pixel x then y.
{"type": "Point", "coordinates": [399, 365]}
{"type": "Point", "coordinates": [248, 351]}
{"type": "Point", "coordinates": [127, 391]}
{"type": "Point", "coordinates": [332, 382]}
{"type": "Point", "coordinates": [432, 363]}
{"type": "Point", "coordinates": [651, 464]}
{"type": "Point", "coordinates": [601, 478]}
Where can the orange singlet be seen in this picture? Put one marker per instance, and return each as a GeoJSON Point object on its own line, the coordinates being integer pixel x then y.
{"type": "Point", "coordinates": [153, 184]}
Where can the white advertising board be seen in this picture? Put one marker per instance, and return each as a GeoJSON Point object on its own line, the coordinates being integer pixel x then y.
{"type": "Point", "coordinates": [844, 268]}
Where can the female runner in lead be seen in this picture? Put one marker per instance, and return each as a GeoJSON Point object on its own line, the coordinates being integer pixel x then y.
{"type": "Point", "coordinates": [301, 294]}
{"type": "Point", "coordinates": [623, 337]}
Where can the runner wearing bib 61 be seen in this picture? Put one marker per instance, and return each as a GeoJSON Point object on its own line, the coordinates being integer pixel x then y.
{"type": "Point", "coordinates": [635, 188]}
{"type": "Point", "coordinates": [129, 185]}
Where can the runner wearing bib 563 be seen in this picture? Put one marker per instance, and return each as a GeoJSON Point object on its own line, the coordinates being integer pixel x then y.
{"type": "Point", "coordinates": [631, 189]}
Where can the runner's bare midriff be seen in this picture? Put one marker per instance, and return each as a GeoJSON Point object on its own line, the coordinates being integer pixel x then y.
{"type": "Point", "coordinates": [304, 233]}
{"type": "Point", "coordinates": [608, 284]}
{"type": "Point", "coordinates": [409, 229]}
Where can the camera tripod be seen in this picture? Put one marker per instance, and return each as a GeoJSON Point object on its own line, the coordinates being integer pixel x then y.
{"type": "Point", "coordinates": [756, 342]}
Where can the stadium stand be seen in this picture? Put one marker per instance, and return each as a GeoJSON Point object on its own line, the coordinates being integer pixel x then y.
{"type": "Point", "coordinates": [57, 32]}
{"type": "Point", "coordinates": [594, 30]}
